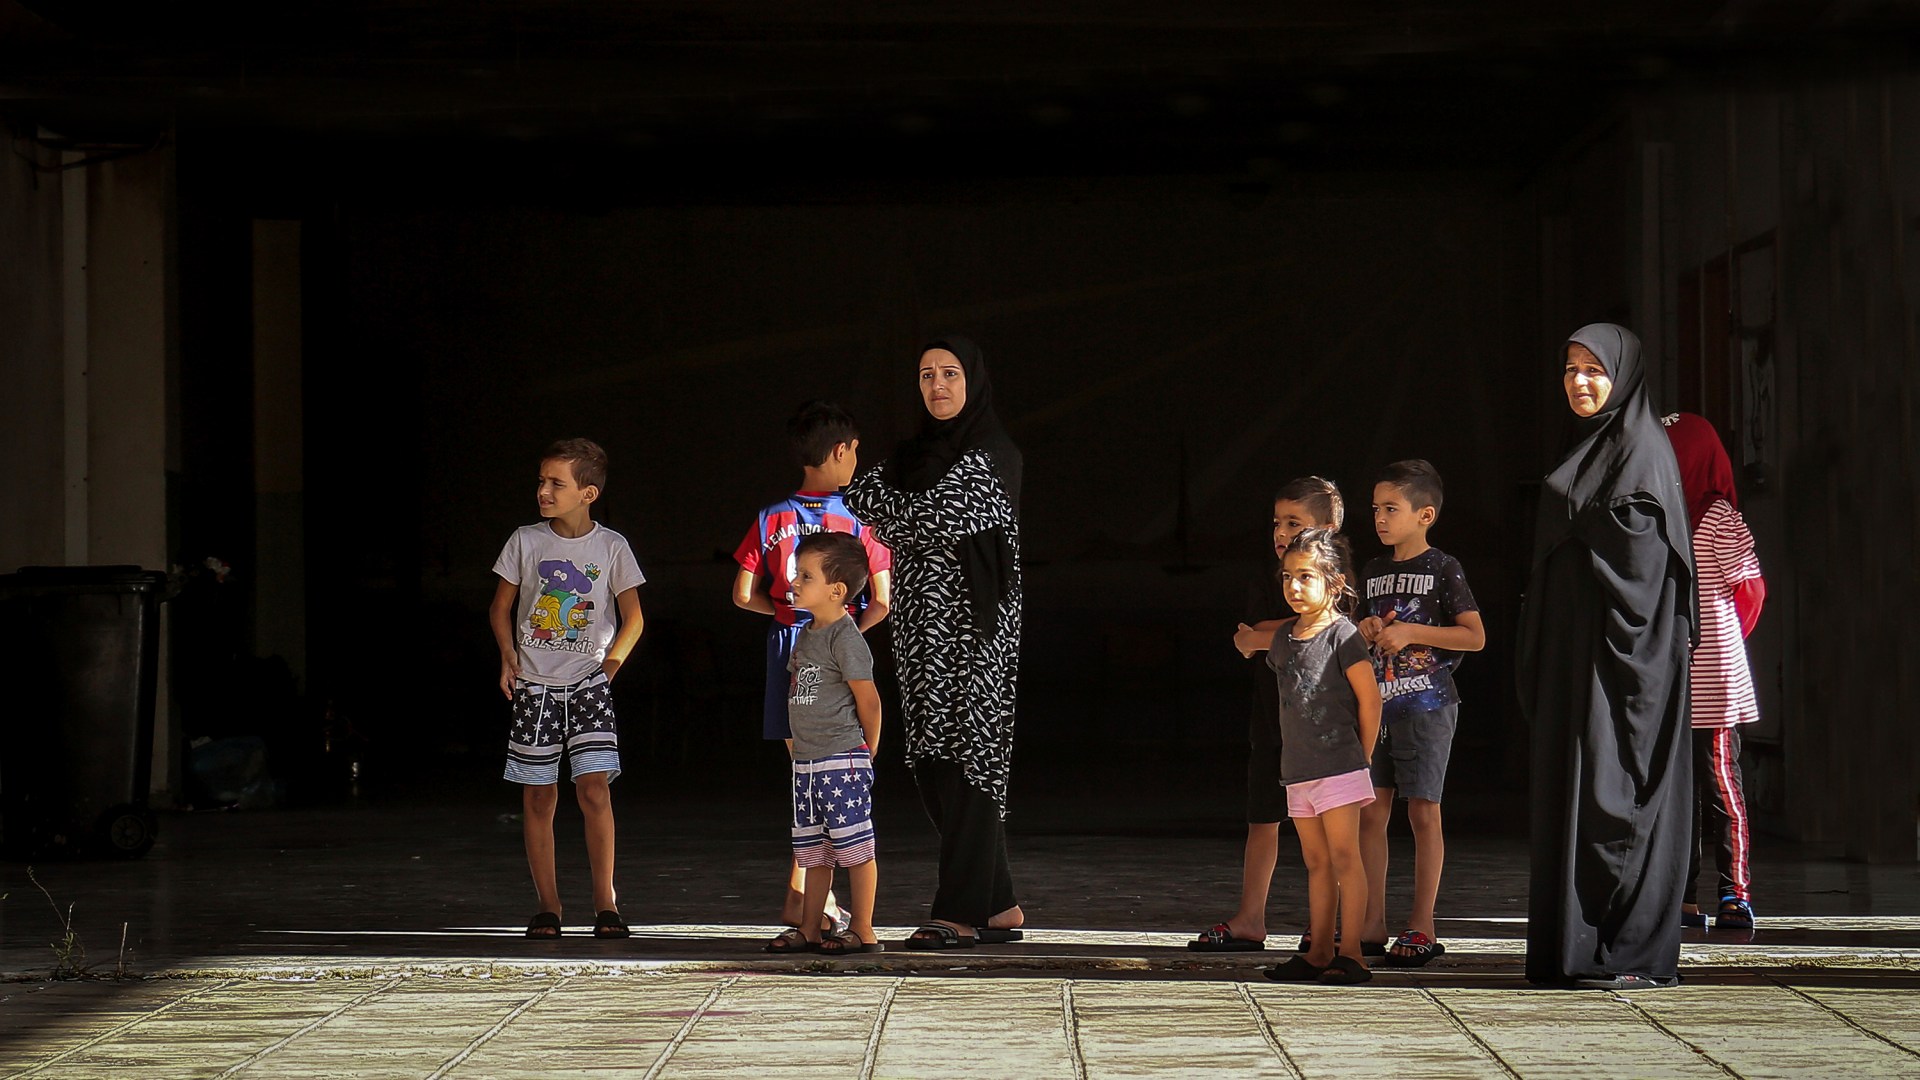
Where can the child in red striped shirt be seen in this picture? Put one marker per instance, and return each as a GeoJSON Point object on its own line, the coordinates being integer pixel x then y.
{"type": "Point", "coordinates": [1731, 592]}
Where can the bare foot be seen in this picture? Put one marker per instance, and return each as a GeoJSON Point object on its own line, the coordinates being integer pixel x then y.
{"type": "Point", "coordinates": [1246, 931]}
{"type": "Point", "coordinates": [1011, 919]}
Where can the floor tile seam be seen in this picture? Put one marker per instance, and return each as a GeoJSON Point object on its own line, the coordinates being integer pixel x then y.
{"type": "Point", "coordinates": [1070, 1029]}
{"type": "Point", "coordinates": [314, 1025]}
{"type": "Point", "coordinates": [1472, 1036]}
{"type": "Point", "coordinates": [1265, 1025]}
{"type": "Point", "coordinates": [499, 1026]}
{"type": "Point", "coordinates": [1844, 1018]}
{"type": "Point", "coordinates": [1634, 1007]}
{"type": "Point", "coordinates": [686, 1027]}
{"type": "Point", "coordinates": [872, 1057]}
{"type": "Point", "coordinates": [121, 1029]}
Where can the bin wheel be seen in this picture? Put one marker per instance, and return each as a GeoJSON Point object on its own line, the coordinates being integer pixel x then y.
{"type": "Point", "coordinates": [131, 831]}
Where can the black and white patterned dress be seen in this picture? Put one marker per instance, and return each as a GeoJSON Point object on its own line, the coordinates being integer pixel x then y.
{"type": "Point", "coordinates": [957, 689]}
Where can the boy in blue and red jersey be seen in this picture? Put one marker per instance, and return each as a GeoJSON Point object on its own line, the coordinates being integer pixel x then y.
{"type": "Point", "coordinates": [826, 444]}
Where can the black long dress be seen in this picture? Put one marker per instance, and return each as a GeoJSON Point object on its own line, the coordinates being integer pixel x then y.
{"type": "Point", "coordinates": [1603, 681]}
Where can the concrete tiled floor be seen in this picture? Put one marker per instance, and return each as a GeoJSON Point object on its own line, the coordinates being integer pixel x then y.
{"type": "Point", "coordinates": [380, 938]}
{"type": "Point", "coordinates": [878, 1025]}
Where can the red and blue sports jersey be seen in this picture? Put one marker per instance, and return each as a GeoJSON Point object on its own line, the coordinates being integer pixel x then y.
{"type": "Point", "coordinates": [767, 550]}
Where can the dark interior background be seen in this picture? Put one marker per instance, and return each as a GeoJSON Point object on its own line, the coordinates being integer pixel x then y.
{"type": "Point", "coordinates": [1167, 349]}
{"type": "Point", "coordinates": [1206, 247]}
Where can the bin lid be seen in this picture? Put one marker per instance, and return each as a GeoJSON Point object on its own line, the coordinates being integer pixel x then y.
{"type": "Point", "coordinates": [118, 578]}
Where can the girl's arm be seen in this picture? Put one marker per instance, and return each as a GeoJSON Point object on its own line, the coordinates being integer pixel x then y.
{"type": "Point", "coordinates": [631, 623]}
{"type": "Point", "coordinates": [500, 615]}
{"type": "Point", "coordinates": [967, 500]}
{"type": "Point", "coordinates": [866, 705]}
{"type": "Point", "coordinates": [1368, 693]}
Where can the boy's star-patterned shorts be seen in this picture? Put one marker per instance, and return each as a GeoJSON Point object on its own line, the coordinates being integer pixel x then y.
{"type": "Point", "coordinates": [575, 720]}
{"type": "Point", "coordinates": [833, 810]}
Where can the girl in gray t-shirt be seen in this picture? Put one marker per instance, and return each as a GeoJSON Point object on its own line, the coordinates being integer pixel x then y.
{"type": "Point", "coordinates": [1329, 716]}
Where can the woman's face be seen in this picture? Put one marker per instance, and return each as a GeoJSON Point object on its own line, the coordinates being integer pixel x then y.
{"type": "Point", "coordinates": [943, 384]}
{"type": "Point", "coordinates": [1587, 384]}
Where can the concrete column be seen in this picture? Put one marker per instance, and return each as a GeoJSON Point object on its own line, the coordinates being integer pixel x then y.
{"type": "Point", "coordinates": [86, 333]}
{"type": "Point", "coordinates": [279, 618]}
{"type": "Point", "coordinates": [129, 327]}
{"type": "Point", "coordinates": [32, 440]}
{"type": "Point", "coordinates": [75, 423]}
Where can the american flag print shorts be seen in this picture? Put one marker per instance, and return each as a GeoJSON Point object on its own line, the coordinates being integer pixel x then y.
{"type": "Point", "coordinates": [576, 719]}
{"type": "Point", "coordinates": [833, 810]}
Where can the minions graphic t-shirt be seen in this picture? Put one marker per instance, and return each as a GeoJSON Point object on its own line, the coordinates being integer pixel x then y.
{"type": "Point", "coordinates": [567, 616]}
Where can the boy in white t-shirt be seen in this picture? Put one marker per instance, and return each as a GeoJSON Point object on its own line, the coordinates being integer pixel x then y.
{"type": "Point", "coordinates": [561, 643]}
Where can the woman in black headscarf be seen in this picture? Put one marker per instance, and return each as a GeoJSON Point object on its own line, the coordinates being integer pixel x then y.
{"type": "Point", "coordinates": [1603, 681]}
{"type": "Point", "coordinates": [948, 504]}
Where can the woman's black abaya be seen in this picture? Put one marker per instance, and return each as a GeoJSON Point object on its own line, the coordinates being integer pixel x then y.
{"type": "Point", "coordinates": [1603, 682]}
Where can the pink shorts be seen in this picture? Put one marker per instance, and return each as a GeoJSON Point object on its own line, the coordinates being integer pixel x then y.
{"type": "Point", "coordinates": [1316, 797]}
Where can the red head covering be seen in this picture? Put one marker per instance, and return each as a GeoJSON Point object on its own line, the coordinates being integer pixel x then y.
{"type": "Point", "coordinates": [1706, 474]}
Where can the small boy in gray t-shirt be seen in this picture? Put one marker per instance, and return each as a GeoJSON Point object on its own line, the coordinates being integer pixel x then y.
{"type": "Point", "coordinates": [834, 712]}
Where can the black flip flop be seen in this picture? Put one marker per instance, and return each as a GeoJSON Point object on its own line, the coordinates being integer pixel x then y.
{"type": "Point", "coordinates": [987, 936]}
{"type": "Point", "coordinates": [1367, 948]}
{"type": "Point", "coordinates": [1345, 971]}
{"type": "Point", "coordinates": [846, 941]}
{"type": "Point", "coordinates": [1306, 941]}
{"type": "Point", "coordinates": [939, 936]}
{"type": "Point", "coordinates": [540, 925]}
{"type": "Point", "coordinates": [1423, 949]}
{"type": "Point", "coordinates": [1628, 981]}
{"type": "Point", "coordinates": [608, 925]}
{"type": "Point", "coordinates": [1296, 969]}
{"type": "Point", "coordinates": [791, 940]}
{"type": "Point", "coordinates": [1219, 938]}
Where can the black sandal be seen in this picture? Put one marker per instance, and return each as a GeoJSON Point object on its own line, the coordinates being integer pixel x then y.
{"type": "Point", "coordinates": [791, 940]}
{"type": "Point", "coordinates": [1219, 938]}
{"type": "Point", "coordinates": [1628, 981]}
{"type": "Point", "coordinates": [609, 924]}
{"type": "Point", "coordinates": [939, 936]}
{"type": "Point", "coordinates": [1296, 969]}
{"type": "Point", "coordinates": [1345, 971]}
{"type": "Point", "coordinates": [544, 925]}
{"type": "Point", "coordinates": [846, 941]}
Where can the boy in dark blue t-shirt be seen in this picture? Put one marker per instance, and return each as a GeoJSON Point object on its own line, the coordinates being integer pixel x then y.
{"type": "Point", "coordinates": [1419, 616]}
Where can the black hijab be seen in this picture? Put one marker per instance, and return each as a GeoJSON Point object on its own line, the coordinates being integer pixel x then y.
{"type": "Point", "coordinates": [1621, 457]}
{"type": "Point", "coordinates": [919, 462]}
{"type": "Point", "coordinates": [1622, 452]}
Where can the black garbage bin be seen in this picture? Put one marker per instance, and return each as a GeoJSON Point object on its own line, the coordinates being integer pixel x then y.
{"type": "Point", "coordinates": [80, 661]}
